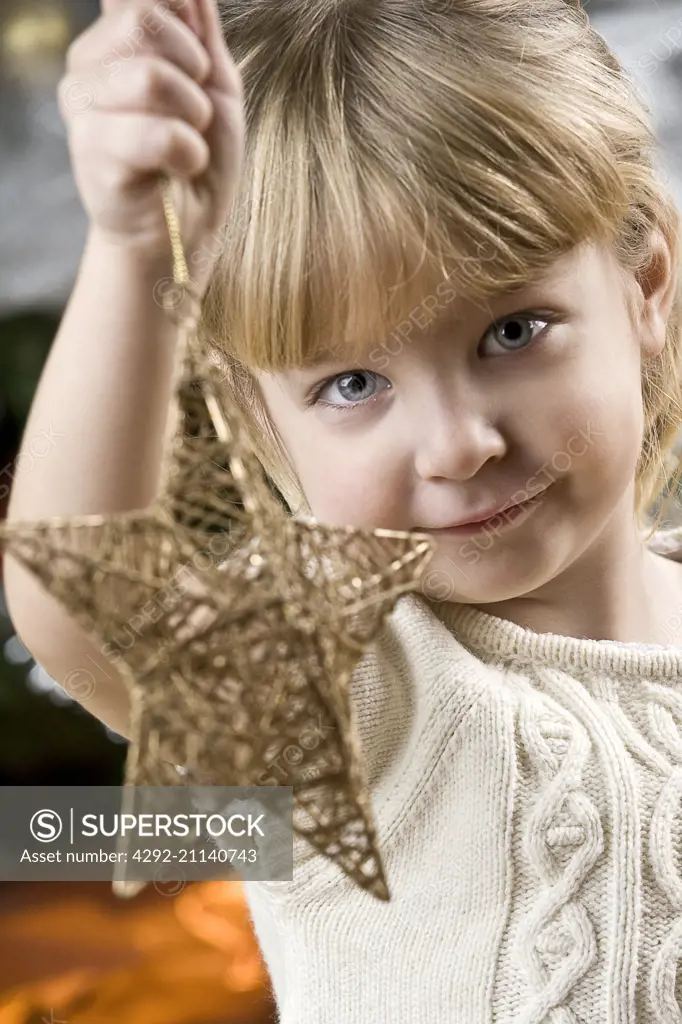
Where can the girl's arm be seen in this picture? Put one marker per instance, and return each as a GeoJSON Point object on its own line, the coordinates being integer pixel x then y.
{"type": "Point", "coordinates": [102, 399]}
{"type": "Point", "coordinates": [174, 107]}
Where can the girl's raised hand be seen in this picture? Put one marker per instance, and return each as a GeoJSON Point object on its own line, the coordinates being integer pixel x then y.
{"type": "Point", "coordinates": [151, 87]}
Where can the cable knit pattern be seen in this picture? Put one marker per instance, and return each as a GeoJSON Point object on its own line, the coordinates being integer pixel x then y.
{"type": "Point", "coordinates": [563, 840]}
{"type": "Point", "coordinates": [527, 790]}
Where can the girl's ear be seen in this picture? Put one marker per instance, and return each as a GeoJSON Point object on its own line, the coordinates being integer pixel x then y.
{"type": "Point", "coordinates": [657, 283]}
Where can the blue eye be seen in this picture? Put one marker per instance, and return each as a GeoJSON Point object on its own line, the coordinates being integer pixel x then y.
{"type": "Point", "coordinates": [515, 332]}
{"type": "Point", "coordinates": [355, 387]}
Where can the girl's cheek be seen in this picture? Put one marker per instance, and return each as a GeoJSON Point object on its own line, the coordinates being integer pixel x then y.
{"type": "Point", "coordinates": [347, 494]}
{"type": "Point", "coordinates": [331, 490]}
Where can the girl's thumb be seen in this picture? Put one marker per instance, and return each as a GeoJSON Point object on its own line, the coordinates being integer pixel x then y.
{"type": "Point", "coordinates": [226, 134]}
{"type": "Point", "coordinates": [224, 75]}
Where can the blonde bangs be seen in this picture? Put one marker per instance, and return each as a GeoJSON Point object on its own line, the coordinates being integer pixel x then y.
{"type": "Point", "coordinates": [354, 210]}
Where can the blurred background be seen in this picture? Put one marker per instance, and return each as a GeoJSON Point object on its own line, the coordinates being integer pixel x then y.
{"type": "Point", "coordinates": [69, 951]}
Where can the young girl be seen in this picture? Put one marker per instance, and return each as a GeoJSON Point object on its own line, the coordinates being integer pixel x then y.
{"type": "Point", "coordinates": [443, 274]}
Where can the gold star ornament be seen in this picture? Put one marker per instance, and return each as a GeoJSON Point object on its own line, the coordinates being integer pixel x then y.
{"type": "Point", "coordinates": [247, 622]}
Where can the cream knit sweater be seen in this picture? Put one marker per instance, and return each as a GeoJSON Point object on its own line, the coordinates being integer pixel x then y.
{"type": "Point", "coordinates": [527, 792]}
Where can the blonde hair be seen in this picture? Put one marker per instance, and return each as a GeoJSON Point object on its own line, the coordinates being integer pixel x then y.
{"type": "Point", "coordinates": [392, 144]}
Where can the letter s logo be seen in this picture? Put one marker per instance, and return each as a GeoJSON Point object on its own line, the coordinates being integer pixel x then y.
{"type": "Point", "coordinates": [46, 826]}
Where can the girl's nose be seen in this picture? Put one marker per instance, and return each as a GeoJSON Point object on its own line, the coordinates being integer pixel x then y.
{"type": "Point", "coordinates": [455, 444]}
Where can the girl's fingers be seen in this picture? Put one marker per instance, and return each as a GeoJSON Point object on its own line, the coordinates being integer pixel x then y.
{"type": "Point", "coordinates": [189, 12]}
{"type": "Point", "coordinates": [152, 85]}
{"type": "Point", "coordinates": [160, 35]}
{"type": "Point", "coordinates": [142, 143]}
{"type": "Point", "coordinates": [184, 9]}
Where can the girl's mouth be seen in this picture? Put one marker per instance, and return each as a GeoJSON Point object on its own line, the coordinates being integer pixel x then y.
{"type": "Point", "coordinates": [494, 523]}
